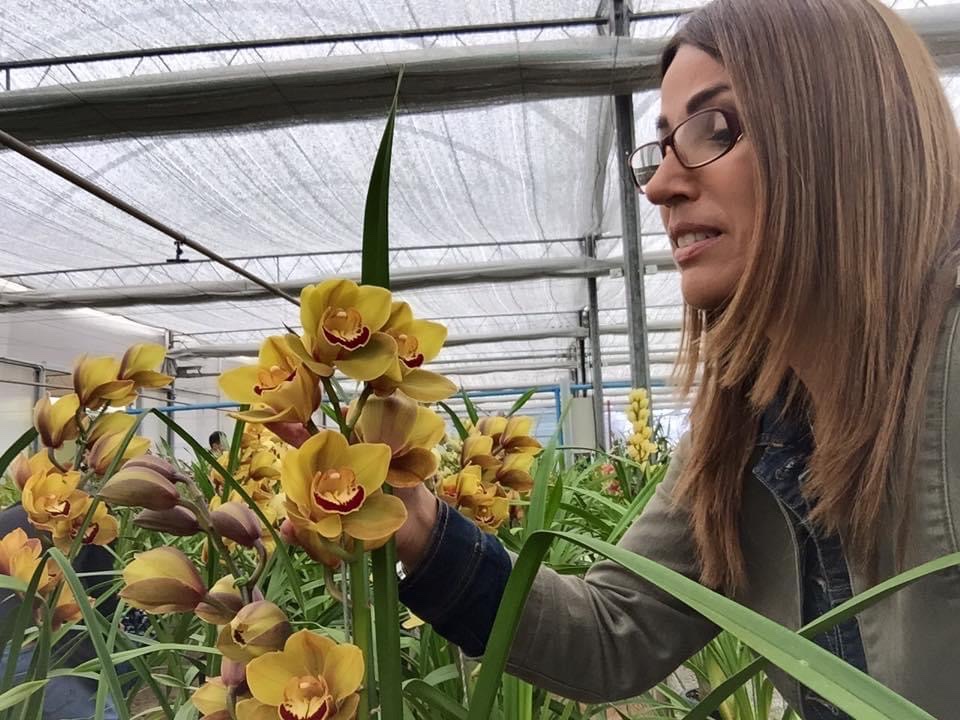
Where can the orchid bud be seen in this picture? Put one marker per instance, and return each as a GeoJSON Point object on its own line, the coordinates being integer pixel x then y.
{"type": "Point", "coordinates": [164, 467]}
{"type": "Point", "coordinates": [235, 521]}
{"type": "Point", "coordinates": [222, 603]}
{"type": "Point", "coordinates": [175, 521]}
{"type": "Point", "coordinates": [162, 580]}
{"type": "Point", "coordinates": [232, 673]}
{"type": "Point", "coordinates": [140, 486]}
{"type": "Point", "coordinates": [258, 628]}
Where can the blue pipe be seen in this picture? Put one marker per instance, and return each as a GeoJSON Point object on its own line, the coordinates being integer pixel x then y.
{"type": "Point", "coordinates": [178, 408]}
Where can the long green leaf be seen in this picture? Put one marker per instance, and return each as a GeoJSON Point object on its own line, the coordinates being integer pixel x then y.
{"type": "Point", "coordinates": [15, 696]}
{"type": "Point", "coordinates": [455, 419]}
{"type": "Point", "coordinates": [522, 400]}
{"type": "Point", "coordinates": [471, 408]}
{"type": "Point", "coordinates": [842, 612]}
{"type": "Point", "coordinates": [228, 479]}
{"type": "Point", "coordinates": [19, 445]}
{"type": "Point", "coordinates": [849, 689]}
{"type": "Point", "coordinates": [14, 632]}
{"type": "Point", "coordinates": [374, 267]}
{"type": "Point", "coordinates": [108, 671]}
{"type": "Point", "coordinates": [536, 515]}
{"type": "Point", "coordinates": [40, 666]}
{"type": "Point", "coordinates": [443, 705]}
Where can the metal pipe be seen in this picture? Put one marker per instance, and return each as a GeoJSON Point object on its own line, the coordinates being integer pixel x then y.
{"type": "Point", "coordinates": [633, 270]}
{"type": "Point", "coordinates": [183, 407]}
{"type": "Point", "coordinates": [70, 176]}
{"type": "Point", "coordinates": [402, 34]}
{"type": "Point", "coordinates": [596, 367]}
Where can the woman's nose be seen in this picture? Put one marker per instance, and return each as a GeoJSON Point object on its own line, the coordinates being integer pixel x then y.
{"type": "Point", "coordinates": [671, 182]}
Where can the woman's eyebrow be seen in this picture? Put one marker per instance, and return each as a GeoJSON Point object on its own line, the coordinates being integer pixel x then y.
{"type": "Point", "coordinates": [696, 102]}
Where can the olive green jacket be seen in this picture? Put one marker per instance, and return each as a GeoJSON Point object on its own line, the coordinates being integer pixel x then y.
{"type": "Point", "coordinates": [611, 635]}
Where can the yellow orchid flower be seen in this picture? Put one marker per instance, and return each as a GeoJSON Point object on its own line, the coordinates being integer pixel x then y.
{"type": "Point", "coordinates": [222, 603]}
{"type": "Point", "coordinates": [24, 467]}
{"type": "Point", "coordinates": [312, 678]}
{"type": "Point", "coordinates": [264, 465]}
{"type": "Point", "coordinates": [333, 488]}
{"type": "Point", "coordinates": [341, 323]}
{"type": "Point", "coordinates": [19, 555]}
{"type": "Point", "coordinates": [454, 488]}
{"type": "Point", "coordinates": [516, 437]}
{"type": "Point", "coordinates": [211, 700]}
{"type": "Point", "coordinates": [103, 452]}
{"type": "Point", "coordinates": [514, 473]}
{"type": "Point", "coordinates": [279, 388]}
{"type": "Point", "coordinates": [96, 381]}
{"type": "Point", "coordinates": [258, 628]}
{"type": "Point", "coordinates": [52, 497]}
{"type": "Point", "coordinates": [488, 510]}
{"type": "Point", "coordinates": [162, 580]}
{"type": "Point", "coordinates": [411, 431]}
{"type": "Point", "coordinates": [101, 530]}
{"type": "Point", "coordinates": [639, 444]}
{"type": "Point", "coordinates": [56, 422]}
{"type": "Point", "coordinates": [418, 342]}
{"type": "Point", "coordinates": [140, 364]}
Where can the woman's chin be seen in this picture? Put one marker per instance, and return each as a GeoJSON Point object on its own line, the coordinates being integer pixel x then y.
{"type": "Point", "coordinates": [703, 291]}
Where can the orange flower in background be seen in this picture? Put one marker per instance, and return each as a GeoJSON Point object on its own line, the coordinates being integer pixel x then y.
{"type": "Point", "coordinates": [418, 342]}
{"type": "Point", "coordinates": [342, 324]}
{"type": "Point", "coordinates": [411, 431]}
{"type": "Point", "coordinates": [56, 422]}
{"type": "Point", "coordinates": [279, 388]}
{"type": "Point", "coordinates": [312, 678]}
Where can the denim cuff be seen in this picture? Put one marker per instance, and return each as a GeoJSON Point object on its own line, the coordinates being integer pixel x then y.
{"type": "Point", "coordinates": [458, 585]}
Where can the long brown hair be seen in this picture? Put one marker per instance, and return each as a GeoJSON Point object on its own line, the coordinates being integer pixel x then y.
{"type": "Point", "coordinates": [854, 257]}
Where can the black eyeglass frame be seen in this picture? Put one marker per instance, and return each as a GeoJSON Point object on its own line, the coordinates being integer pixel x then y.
{"type": "Point", "coordinates": [733, 123]}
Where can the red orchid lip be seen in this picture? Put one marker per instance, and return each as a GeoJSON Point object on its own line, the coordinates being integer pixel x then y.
{"type": "Point", "coordinates": [348, 343]}
{"type": "Point", "coordinates": [341, 508]}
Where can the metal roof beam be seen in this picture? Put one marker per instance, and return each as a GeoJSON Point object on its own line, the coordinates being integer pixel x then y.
{"type": "Point", "coordinates": [234, 290]}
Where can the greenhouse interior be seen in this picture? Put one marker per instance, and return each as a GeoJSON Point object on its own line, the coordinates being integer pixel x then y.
{"type": "Point", "coordinates": [277, 276]}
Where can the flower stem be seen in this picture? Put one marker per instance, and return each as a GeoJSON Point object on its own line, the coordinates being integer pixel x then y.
{"type": "Point", "coordinates": [331, 392]}
{"type": "Point", "coordinates": [203, 520]}
{"type": "Point", "coordinates": [364, 396]}
{"type": "Point", "coordinates": [261, 565]}
{"type": "Point", "coordinates": [363, 632]}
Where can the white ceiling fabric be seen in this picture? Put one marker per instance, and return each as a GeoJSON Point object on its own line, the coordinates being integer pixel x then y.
{"type": "Point", "coordinates": [481, 185]}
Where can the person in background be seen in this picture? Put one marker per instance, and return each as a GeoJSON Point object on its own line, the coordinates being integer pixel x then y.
{"type": "Point", "coordinates": [218, 443]}
{"type": "Point", "coordinates": [807, 170]}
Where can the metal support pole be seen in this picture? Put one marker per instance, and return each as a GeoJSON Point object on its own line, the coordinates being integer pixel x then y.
{"type": "Point", "coordinates": [632, 241]}
{"type": "Point", "coordinates": [596, 370]}
{"type": "Point", "coordinates": [582, 353]}
{"type": "Point", "coordinates": [171, 391]}
{"type": "Point", "coordinates": [6, 82]}
{"type": "Point", "coordinates": [40, 377]}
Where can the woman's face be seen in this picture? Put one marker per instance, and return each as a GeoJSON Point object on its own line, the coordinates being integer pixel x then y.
{"type": "Point", "coordinates": [708, 212]}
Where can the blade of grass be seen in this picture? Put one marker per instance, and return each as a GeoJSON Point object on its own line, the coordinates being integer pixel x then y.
{"type": "Point", "coordinates": [455, 419]}
{"type": "Point", "coordinates": [107, 670]}
{"type": "Point", "coordinates": [839, 683]}
{"type": "Point", "coordinates": [522, 400]}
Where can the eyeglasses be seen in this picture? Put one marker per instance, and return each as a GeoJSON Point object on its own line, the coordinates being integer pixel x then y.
{"type": "Point", "coordinates": [699, 140]}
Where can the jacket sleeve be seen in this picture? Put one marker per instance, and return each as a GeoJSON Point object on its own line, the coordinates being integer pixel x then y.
{"type": "Point", "coordinates": [612, 635]}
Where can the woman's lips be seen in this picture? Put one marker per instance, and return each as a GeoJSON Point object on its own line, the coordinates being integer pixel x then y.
{"type": "Point", "coordinates": [685, 255]}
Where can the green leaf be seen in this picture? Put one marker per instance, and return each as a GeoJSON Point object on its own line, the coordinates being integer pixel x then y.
{"type": "Point", "coordinates": [522, 400]}
{"type": "Point", "coordinates": [90, 616]}
{"type": "Point", "coordinates": [471, 408]}
{"type": "Point", "coordinates": [386, 606]}
{"type": "Point", "coordinates": [842, 612]}
{"type": "Point", "coordinates": [444, 705]}
{"type": "Point", "coordinates": [535, 518]}
{"type": "Point", "coordinates": [12, 583]}
{"type": "Point", "coordinates": [375, 261]}
{"type": "Point", "coordinates": [40, 664]}
{"type": "Point", "coordinates": [455, 419]}
{"type": "Point", "coordinates": [18, 446]}
{"type": "Point", "coordinates": [236, 442]}
{"type": "Point", "coordinates": [14, 632]}
{"type": "Point", "coordinates": [15, 696]}
{"type": "Point", "coordinates": [849, 689]}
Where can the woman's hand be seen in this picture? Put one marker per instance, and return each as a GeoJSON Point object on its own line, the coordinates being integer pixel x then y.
{"type": "Point", "coordinates": [414, 535]}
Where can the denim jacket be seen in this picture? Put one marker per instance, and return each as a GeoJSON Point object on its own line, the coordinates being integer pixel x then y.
{"type": "Point", "coordinates": [626, 635]}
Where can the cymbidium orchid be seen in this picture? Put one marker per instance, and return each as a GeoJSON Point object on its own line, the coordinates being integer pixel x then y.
{"type": "Point", "coordinates": [279, 388]}
{"type": "Point", "coordinates": [56, 422]}
{"type": "Point", "coordinates": [141, 363]}
{"type": "Point", "coordinates": [104, 451]}
{"type": "Point", "coordinates": [418, 342]}
{"type": "Point", "coordinates": [162, 580]}
{"type": "Point", "coordinates": [96, 382]}
{"type": "Point", "coordinates": [334, 489]}
{"type": "Point", "coordinates": [140, 486]}
{"type": "Point", "coordinates": [258, 628]}
{"type": "Point", "coordinates": [52, 497]}
{"type": "Point", "coordinates": [24, 467]}
{"type": "Point", "coordinates": [211, 700]}
{"type": "Point", "coordinates": [312, 678]}
{"type": "Point", "coordinates": [101, 530]}
{"type": "Point", "coordinates": [342, 324]}
{"type": "Point", "coordinates": [640, 445]}
{"type": "Point", "coordinates": [411, 431]}
{"type": "Point", "coordinates": [19, 556]}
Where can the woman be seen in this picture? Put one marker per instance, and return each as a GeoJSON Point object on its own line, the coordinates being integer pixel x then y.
{"type": "Point", "coordinates": [807, 173]}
